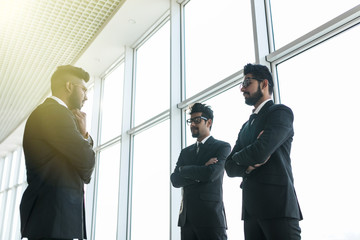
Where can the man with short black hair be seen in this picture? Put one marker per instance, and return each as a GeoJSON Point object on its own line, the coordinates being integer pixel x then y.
{"type": "Point", "coordinates": [261, 156]}
{"type": "Point", "coordinates": [199, 172]}
{"type": "Point", "coordinates": [59, 161]}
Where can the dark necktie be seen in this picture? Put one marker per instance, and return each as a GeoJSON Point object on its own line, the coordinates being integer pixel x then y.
{"type": "Point", "coordinates": [252, 118]}
{"type": "Point", "coordinates": [198, 147]}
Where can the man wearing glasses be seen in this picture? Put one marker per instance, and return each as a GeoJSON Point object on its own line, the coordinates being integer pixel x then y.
{"type": "Point", "coordinates": [59, 161]}
{"type": "Point", "coordinates": [261, 156]}
{"type": "Point", "coordinates": [199, 172]}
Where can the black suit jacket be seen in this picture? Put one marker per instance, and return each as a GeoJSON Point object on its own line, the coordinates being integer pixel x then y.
{"type": "Point", "coordinates": [202, 204]}
{"type": "Point", "coordinates": [58, 161]}
{"type": "Point", "coordinates": [268, 191]}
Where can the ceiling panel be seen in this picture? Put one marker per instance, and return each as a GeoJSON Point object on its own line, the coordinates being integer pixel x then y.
{"type": "Point", "coordinates": [36, 36]}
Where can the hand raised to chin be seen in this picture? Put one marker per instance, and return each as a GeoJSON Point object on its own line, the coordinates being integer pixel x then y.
{"type": "Point", "coordinates": [81, 122]}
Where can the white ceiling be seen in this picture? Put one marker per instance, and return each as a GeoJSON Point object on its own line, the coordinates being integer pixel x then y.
{"type": "Point", "coordinates": [38, 35]}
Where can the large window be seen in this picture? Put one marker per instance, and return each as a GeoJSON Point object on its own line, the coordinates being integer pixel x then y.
{"type": "Point", "coordinates": [218, 41]}
{"type": "Point", "coordinates": [107, 193]}
{"type": "Point", "coordinates": [206, 43]}
{"type": "Point", "coordinates": [111, 105]}
{"type": "Point", "coordinates": [150, 215]}
{"type": "Point", "coordinates": [321, 87]}
{"type": "Point", "coordinates": [150, 198]}
{"type": "Point", "coordinates": [108, 160]}
{"type": "Point", "coordinates": [153, 75]}
{"type": "Point", "coordinates": [292, 19]}
{"type": "Point", "coordinates": [10, 194]}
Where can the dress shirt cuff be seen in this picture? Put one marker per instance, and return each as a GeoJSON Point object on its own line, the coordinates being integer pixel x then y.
{"type": "Point", "coordinates": [89, 139]}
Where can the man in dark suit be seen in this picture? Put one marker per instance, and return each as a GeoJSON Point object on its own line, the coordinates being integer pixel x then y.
{"type": "Point", "coordinates": [200, 171]}
{"type": "Point", "coordinates": [261, 156]}
{"type": "Point", "coordinates": [59, 160]}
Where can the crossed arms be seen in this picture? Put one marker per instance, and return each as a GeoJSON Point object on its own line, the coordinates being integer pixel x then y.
{"type": "Point", "coordinates": [277, 129]}
{"type": "Point", "coordinates": [185, 175]}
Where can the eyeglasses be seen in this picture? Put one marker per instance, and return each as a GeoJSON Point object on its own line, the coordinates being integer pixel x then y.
{"type": "Point", "coordinates": [247, 82]}
{"type": "Point", "coordinates": [81, 86]}
{"type": "Point", "coordinates": [196, 120]}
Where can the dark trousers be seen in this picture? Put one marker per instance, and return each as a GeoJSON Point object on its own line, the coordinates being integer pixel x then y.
{"type": "Point", "coordinates": [272, 229]}
{"type": "Point", "coordinates": [189, 232]}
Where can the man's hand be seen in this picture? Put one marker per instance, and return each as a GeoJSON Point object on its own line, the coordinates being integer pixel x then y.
{"type": "Point", "coordinates": [251, 168]}
{"type": "Point", "coordinates": [81, 122]}
{"type": "Point", "coordinates": [258, 165]}
{"type": "Point", "coordinates": [260, 134]}
{"type": "Point", "coordinates": [211, 161]}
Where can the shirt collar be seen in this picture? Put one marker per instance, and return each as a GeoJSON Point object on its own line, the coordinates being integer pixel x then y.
{"type": "Point", "coordinates": [257, 110]}
{"type": "Point", "coordinates": [61, 102]}
{"type": "Point", "coordinates": [204, 140]}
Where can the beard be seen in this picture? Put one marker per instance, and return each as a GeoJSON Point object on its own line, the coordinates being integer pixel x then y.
{"type": "Point", "coordinates": [252, 100]}
{"type": "Point", "coordinates": [195, 132]}
{"type": "Point", "coordinates": [75, 102]}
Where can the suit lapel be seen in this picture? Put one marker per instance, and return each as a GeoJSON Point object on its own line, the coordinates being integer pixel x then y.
{"type": "Point", "coordinates": [206, 145]}
{"type": "Point", "coordinates": [265, 108]}
{"type": "Point", "coordinates": [203, 150]}
{"type": "Point", "coordinates": [248, 133]}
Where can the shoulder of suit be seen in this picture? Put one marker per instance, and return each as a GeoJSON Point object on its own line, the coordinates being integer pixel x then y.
{"type": "Point", "coordinates": [219, 141]}
{"type": "Point", "coordinates": [189, 147]}
{"type": "Point", "coordinates": [275, 107]}
{"type": "Point", "coordinates": [50, 103]}
{"type": "Point", "coordinates": [51, 110]}
{"type": "Point", "coordinates": [271, 108]}
{"type": "Point", "coordinates": [279, 109]}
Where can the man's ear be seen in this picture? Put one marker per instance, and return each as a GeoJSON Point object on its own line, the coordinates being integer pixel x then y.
{"type": "Point", "coordinates": [265, 83]}
{"type": "Point", "coordinates": [209, 122]}
{"type": "Point", "coordinates": [68, 86]}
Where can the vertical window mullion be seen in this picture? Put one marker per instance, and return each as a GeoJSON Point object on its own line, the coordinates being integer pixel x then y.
{"type": "Point", "coordinates": [176, 70]}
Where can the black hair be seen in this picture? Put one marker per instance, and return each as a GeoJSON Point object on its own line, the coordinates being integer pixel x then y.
{"type": "Point", "coordinates": [260, 72]}
{"type": "Point", "coordinates": [57, 79]}
{"type": "Point", "coordinates": [204, 109]}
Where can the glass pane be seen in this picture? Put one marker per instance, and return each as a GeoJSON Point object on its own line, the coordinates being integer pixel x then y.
{"type": "Point", "coordinates": [13, 174]}
{"type": "Point", "coordinates": [151, 172]}
{"type": "Point", "coordinates": [2, 165]}
{"type": "Point", "coordinates": [6, 213]}
{"type": "Point", "coordinates": [153, 76]}
{"type": "Point", "coordinates": [16, 217]}
{"type": "Point", "coordinates": [107, 193]}
{"type": "Point", "coordinates": [290, 23]}
{"type": "Point", "coordinates": [228, 131]}
{"type": "Point", "coordinates": [5, 173]}
{"type": "Point", "coordinates": [326, 141]}
{"type": "Point", "coordinates": [218, 41]}
{"type": "Point", "coordinates": [2, 210]}
{"type": "Point", "coordinates": [88, 107]}
{"type": "Point", "coordinates": [112, 104]}
{"type": "Point", "coordinates": [22, 171]}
